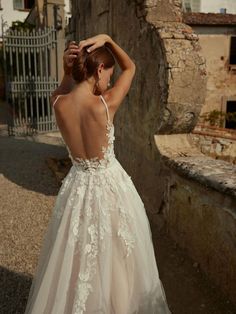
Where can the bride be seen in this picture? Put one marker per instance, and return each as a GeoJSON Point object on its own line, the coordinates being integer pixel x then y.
{"type": "Point", "coordinates": [97, 255]}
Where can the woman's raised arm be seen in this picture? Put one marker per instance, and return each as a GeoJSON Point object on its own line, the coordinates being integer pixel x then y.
{"type": "Point", "coordinates": [116, 94]}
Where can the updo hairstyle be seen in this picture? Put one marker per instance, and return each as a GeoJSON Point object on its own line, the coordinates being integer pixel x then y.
{"type": "Point", "coordinates": [86, 64]}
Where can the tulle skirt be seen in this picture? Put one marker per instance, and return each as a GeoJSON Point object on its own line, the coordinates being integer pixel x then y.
{"type": "Point", "coordinates": [97, 255]}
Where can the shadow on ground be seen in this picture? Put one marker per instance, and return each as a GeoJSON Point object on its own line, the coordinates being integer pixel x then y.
{"type": "Point", "coordinates": [14, 290]}
{"type": "Point", "coordinates": [24, 163]}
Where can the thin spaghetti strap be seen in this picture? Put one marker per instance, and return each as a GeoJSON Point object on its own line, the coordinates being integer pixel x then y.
{"type": "Point", "coordinates": [55, 100]}
{"type": "Point", "coordinates": [103, 100]}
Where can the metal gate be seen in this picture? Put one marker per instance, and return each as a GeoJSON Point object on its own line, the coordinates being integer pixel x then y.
{"type": "Point", "coordinates": [31, 74]}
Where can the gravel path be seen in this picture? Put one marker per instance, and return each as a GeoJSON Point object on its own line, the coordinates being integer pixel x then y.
{"type": "Point", "coordinates": [27, 194]}
{"type": "Point", "coordinates": [28, 190]}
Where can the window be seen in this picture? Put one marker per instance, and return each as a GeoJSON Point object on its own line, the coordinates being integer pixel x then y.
{"type": "Point", "coordinates": [23, 4]}
{"type": "Point", "coordinates": [191, 5]}
{"type": "Point", "coordinates": [232, 58]}
{"type": "Point", "coordinates": [188, 7]}
{"type": "Point", "coordinates": [231, 110]}
{"type": "Point", "coordinates": [17, 4]}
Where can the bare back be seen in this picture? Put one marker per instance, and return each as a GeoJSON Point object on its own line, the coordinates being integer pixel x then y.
{"type": "Point", "coordinates": [83, 125]}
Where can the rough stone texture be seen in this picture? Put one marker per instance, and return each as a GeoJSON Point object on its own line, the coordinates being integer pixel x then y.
{"type": "Point", "coordinates": [199, 206]}
{"type": "Point", "coordinates": [164, 97]}
{"type": "Point", "coordinates": [184, 64]}
{"type": "Point", "coordinates": [215, 174]}
{"type": "Point", "coordinates": [179, 153]}
{"type": "Point", "coordinates": [204, 222]}
{"type": "Point", "coordinates": [215, 142]}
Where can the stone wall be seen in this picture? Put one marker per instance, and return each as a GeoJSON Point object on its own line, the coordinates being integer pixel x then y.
{"type": "Point", "coordinates": [199, 207]}
{"type": "Point", "coordinates": [203, 220]}
{"type": "Point", "coordinates": [219, 143]}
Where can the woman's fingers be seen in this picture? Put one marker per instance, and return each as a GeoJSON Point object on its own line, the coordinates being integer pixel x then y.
{"type": "Point", "coordinates": [72, 51]}
{"type": "Point", "coordinates": [73, 47]}
{"type": "Point", "coordinates": [71, 57]}
{"type": "Point", "coordinates": [93, 42]}
{"type": "Point", "coordinates": [87, 42]}
{"type": "Point", "coordinates": [70, 60]}
{"type": "Point", "coordinates": [91, 48]}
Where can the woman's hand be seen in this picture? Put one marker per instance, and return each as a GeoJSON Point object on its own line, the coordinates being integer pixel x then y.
{"type": "Point", "coordinates": [94, 42]}
{"type": "Point", "coordinates": [69, 56]}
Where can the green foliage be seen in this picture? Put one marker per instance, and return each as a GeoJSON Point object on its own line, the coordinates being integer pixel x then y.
{"type": "Point", "coordinates": [217, 118]}
{"type": "Point", "coordinates": [231, 116]}
{"type": "Point", "coordinates": [18, 25]}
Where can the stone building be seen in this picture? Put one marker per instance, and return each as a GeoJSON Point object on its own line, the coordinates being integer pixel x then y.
{"type": "Point", "coordinates": [217, 38]}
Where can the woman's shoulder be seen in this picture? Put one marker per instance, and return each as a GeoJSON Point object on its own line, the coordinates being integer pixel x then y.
{"type": "Point", "coordinates": [92, 105]}
{"type": "Point", "coordinates": [93, 108]}
{"type": "Point", "coordinates": [59, 101]}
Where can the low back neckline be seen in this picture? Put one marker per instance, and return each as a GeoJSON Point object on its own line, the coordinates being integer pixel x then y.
{"type": "Point", "coordinates": [108, 151]}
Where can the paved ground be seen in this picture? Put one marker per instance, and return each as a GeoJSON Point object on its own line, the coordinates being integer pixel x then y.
{"type": "Point", "coordinates": [27, 194]}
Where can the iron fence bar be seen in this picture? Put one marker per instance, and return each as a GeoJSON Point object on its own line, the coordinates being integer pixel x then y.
{"type": "Point", "coordinates": [28, 78]}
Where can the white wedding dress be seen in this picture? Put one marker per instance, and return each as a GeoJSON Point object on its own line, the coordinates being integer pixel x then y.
{"type": "Point", "coordinates": [97, 255]}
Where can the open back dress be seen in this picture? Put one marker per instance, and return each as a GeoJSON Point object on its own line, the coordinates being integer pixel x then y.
{"type": "Point", "coordinates": [97, 255]}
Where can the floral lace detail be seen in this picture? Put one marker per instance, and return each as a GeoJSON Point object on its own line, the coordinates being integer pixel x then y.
{"type": "Point", "coordinates": [94, 163]}
{"type": "Point", "coordinates": [84, 287]}
{"type": "Point", "coordinates": [124, 232]}
{"type": "Point", "coordinates": [96, 231]}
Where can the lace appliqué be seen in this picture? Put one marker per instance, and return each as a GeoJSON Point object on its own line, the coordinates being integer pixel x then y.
{"type": "Point", "coordinates": [89, 188]}
{"type": "Point", "coordinates": [124, 232]}
{"type": "Point", "coordinates": [125, 219]}
{"type": "Point", "coordinates": [84, 286]}
{"type": "Point", "coordinates": [94, 163]}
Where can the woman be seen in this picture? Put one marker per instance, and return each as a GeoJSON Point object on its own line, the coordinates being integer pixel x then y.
{"type": "Point", "coordinates": [97, 255]}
